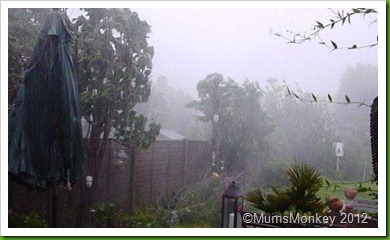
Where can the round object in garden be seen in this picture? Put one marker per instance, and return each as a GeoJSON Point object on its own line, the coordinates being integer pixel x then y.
{"type": "Point", "coordinates": [335, 204]}
{"type": "Point", "coordinates": [350, 193]}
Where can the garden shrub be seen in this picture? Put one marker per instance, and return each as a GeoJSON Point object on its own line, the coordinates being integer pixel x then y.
{"type": "Point", "coordinates": [26, 220]}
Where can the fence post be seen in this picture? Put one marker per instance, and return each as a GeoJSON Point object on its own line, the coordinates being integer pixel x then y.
{"type": "Point", "coordinates": [151, 174]}
{"type": "Point", "coordinates": [167, 177]}
{"type": "Point", "coordinates": [131, 179]}
{"type": "Point", "coordinates": [184, 164]}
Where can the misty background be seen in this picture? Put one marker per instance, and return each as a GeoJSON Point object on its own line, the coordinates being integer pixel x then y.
{"type": "Point", "coordinates": [191, 43]}
{"type": "Point", "coordinates": [241, 44]}
{"type": "Point", "coordinates": [221, 86]}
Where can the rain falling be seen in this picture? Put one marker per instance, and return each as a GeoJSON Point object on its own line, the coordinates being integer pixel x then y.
{"type": "Point", "coordinates": [194, 117]}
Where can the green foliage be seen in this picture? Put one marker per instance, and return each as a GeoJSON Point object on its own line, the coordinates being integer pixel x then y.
{"type": "Point", "coordinates": [336, 189]}
{"type": "Point", "coordinates": [314, 97]}
{"type": "Point", "coordinates": [297, 133]}
{"type": "Point", "coordinates": [144, 218]}
{"type": "Point", "coordinates": [301, 130]}
{"type": "Point", "coordinates": [113, 63]}
{"type": "Point", "coordinates": [333, 186]}
{"type": "Point", "coordinates": [114, 71]}
{"type": "Point", "coordinates": [24, 25]}
{"type": "Point", "coordinates": [195, 206]}
{"type": "Point", "coordinates": [105, 215]}
{"type": "Point", "coordinates": [167, 107]}
{"type": "Point", "coordinates": [330, 98]}
{"type": "Point", "coordinates": [200, 204]}
{"type": "Point", "coordinates": [339, 18]}
{"type": "Point", "coordinates": [109, 215]}
{"type": "Point", "coordinates": [352, 123]}
{"type": "Point", "coordinates": [371, 192]}
{"type": "Point", "coordinates": [301, 196]}
{"type": "Point", "coordinates": [347, 99]}
{"type": "Point", "coordinates": [276, 202]}
{"type": "Point", "coordinates": [243, 125]}
{"type": "Point", "coordinates": [26, 220]}
{"type": "Point", "coordinates": [305, 183]}
{"type": "Point", "coordinates": [334, 45]}
{"type": "Point", "coordinates": [271, 173]}
{"type": "Point", "coordinates": [304, 177]}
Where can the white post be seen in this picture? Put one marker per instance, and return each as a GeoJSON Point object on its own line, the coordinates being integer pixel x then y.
{"type": "Point", "coordinates": [231, 220]}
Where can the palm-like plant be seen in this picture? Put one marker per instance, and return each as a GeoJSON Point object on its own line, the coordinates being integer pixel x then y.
{"type": "Point", "coordinates": [276, 202]}
{"type": "Point", "coordinates": [305, 183]}
{"type": "Point", "coordinates": [299, 197]}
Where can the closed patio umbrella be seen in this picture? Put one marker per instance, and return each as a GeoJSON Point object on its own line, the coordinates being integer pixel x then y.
{"type": "Point", "coordinates": [44, 133]}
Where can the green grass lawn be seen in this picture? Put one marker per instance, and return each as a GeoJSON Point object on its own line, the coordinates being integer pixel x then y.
{"type": "Point", "coordinates": [336, 189]}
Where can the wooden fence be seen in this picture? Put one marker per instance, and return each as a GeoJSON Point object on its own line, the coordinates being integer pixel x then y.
{"type": "Point", "coordinates": [147, 177]}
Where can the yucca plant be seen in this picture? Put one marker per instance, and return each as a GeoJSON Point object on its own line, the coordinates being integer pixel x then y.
{"type": "Point", "coordinates": [305, 183]}
{"type": "Point", "coordinates": [299, 197]}
{"type": "Point", "coordinates": [276, 202]}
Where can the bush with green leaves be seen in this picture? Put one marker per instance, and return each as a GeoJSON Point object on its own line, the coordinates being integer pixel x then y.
{"type": "Point", "coordinates": [147, 217]}
{"type": "Point", "coordinates": [106, 215]}
{"type": "Point", "coordinates": [200, 204]}
{"type": "Point", "coordinates": [299, 197]}
{"type": "Point", "coordinates": [197, 205]}
{"type": "Point", "coordinates": [270, 174]}
{"type": "Point", "coordinates": [373, 193]}
{"type": "Point", "coordinates": [26, 220]}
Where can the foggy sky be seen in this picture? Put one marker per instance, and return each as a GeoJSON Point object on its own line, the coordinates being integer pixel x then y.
{"type": "Point", "coordinates": [239, 43]}
{"type": "Point", "coordinates": [191, 43]}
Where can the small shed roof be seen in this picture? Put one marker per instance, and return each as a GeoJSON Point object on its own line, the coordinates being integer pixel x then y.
{"type": "Point", "coordinates": [165, 134]}
{"type": "Point", "coordinates": [169, 135]}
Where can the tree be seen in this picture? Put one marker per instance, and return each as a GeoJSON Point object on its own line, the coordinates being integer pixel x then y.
{"type": "Point", "coordinates": [167, 107]}
{"type": "Point", "coordinates": [341, 121]}
{"type": "Point", "coordinates": [114, 71]}
{"type": "Point", "coordinates": [24, 25]}
{"type": "Point", "coordinates": [243, 125]}
{"type": "Point", "coordinates": [158, 106]}
{"type": "Point", "coordinates": [341, 17]}
{"type": "Point", "coordinates": [359, 82]}
{"type": "Point", "coordinates": [113, 62]}
{"type": "Point", "coordinates": [303, 131]}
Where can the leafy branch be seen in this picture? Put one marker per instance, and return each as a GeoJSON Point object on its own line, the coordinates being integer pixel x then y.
{"type": "Point", "coordinates": [314, 99]}
{"type": "Point", "coordinates": [340, 18]}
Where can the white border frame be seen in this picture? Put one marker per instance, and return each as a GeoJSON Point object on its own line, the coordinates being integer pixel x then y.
{"type": "Point", "coordinates": [380, 231]}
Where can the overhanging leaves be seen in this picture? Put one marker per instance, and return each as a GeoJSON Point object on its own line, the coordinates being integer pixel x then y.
{"type": "Point", "coordinates": [334, 44]}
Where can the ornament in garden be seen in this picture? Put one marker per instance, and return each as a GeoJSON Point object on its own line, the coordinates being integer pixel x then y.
{"type": "Point", "coordinates": [335, 205]}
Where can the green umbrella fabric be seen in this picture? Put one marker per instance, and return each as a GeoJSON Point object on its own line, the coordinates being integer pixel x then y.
{"type": "Point", "coordinates": [44, 133]}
